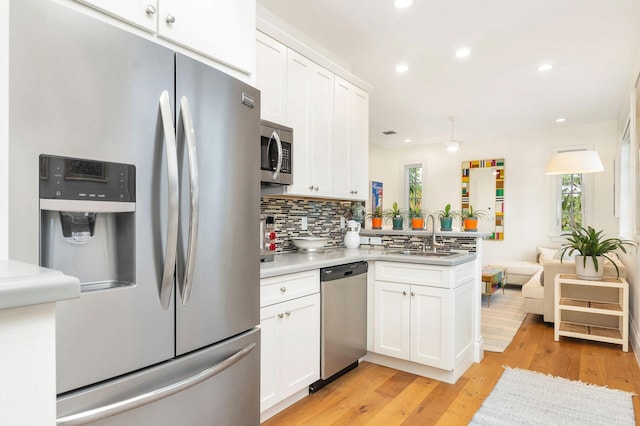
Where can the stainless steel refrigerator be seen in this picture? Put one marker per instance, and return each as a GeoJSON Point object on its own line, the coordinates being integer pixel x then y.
{"type": "Point", "coordinates": [176, 342]}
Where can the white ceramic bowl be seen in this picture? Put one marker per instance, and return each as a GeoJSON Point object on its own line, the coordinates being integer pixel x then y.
{"type": "Point", "coordinates": [310, 243]}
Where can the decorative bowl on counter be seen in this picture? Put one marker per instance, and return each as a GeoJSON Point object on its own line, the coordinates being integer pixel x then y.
{"type": "Point", "coordinates": [310, 243]}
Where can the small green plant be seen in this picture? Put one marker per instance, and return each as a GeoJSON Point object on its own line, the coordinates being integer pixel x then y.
{"type": "Point", "coordinates": [588, 242]}
{"type": "Point", "coordinates": [375, 212]}
{"type": "Point", "coordinates": [416, 212]}
{"type": "Point", "coordinates": [394, 212]}
{"type": "Point", "coordinates": [470, 213]}
{"type": "Point", "coordinates": [447, 212]}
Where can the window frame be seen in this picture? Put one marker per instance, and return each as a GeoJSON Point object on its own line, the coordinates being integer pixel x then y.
{"type": "Point", "coordinates": [405, 183]}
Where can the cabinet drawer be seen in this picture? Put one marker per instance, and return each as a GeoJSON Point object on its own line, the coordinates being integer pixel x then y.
{"type": "Point", "coordinates": [286, 287]}
{"type": "Point", "coordinates": [413, 273]}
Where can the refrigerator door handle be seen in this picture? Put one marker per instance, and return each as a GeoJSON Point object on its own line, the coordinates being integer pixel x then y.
{"type": "Point", "coordinates": [173, 200]}
{"type": "Point", "coordinates": [185, 126]}
{"type": "Point", "coordinates": [103, 412]}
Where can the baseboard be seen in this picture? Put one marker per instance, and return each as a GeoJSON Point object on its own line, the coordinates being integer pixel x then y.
{"type": "Point", "coordinates": [634, 338]}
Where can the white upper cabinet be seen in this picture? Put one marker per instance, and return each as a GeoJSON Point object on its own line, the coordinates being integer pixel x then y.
{"type": "Point", "coordinates": [271, 78]}
{"type": "Point", "coordinates": [329, 117]}
{"type": "Point", "coordinates": [222, 30]}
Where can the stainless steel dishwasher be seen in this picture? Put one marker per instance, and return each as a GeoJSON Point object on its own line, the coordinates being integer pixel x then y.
{"type": "Point", "coordinates": [343, 295]}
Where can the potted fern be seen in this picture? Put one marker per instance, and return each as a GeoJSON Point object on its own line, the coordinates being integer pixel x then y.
{"type": "Point", "coordinates": [396, 214]}
{"type": "Point", "coordinates": [470, 218]}
{"type": "Point", "coordinates": [589, 243]}
{"type": "Point", "coordinates": [417, 218]}
{"type": "Point", "coordinates": [376, 217]}
{"type": "Point", "coordinates": [446, 216]}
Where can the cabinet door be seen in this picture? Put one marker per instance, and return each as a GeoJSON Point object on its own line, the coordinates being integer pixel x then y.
{"type": "Point", "coordinates": [271, 78]}
{"type": "Point", "coordinates": [343, 93]}
{"type": "Point", "coordinates": [391, 319]}
{"type": "Point", "coordinates": [223, 30]}
{"type": "Point", "coordinates": [270, 356]}
{"type": "Point", "coordinates": [321, 131]}
{"type": "Point", "coordinates": [431, 326]}
{"type": "Point", "coordinates": [359, 146]}
{"type": "Point", "coordinates": [142, 13]}
{"type": "Point", "coordinates": [299, 69]}
{"type": "Point", "coordinates": [300, 343]}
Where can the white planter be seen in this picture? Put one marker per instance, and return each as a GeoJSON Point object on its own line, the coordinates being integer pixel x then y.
{"type": "Point", "coordinates": [588, 271]}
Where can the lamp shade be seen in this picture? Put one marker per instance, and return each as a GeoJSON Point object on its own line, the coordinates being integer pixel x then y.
{"type": "Point", "coordinates": [571, 162]}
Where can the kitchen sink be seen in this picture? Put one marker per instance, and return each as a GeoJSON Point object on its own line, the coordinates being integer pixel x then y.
{"type": "Point", "coordinates": [422, 253]}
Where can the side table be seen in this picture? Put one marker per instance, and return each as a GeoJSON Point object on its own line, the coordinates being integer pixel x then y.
{"type": "Point", "coordinates": [493, 278]}
{"type": "Point", "coordinates": [595, 306]}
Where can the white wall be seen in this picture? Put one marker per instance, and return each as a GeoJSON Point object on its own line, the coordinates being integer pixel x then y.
{"type": "Point", "coordinates": [527, 188]}
{"type": "Point", "coordinates": [4, 130]}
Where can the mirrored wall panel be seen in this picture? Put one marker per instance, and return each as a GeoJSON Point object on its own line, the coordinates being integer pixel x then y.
{"type": "Point", "coordinates": [483, 190]}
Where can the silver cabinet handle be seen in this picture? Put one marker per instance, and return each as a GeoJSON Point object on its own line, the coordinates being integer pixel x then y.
{"type": "Point", "coordinates": [311, 187]}
{"type": "Point", "coordinates": [404, 293]}
{"type": "Point", "coordinates": [276, 137]}
{"type": "Point", "coordinates": [173, 200]}
{"type": "Point", "coordinates": [170, 19]}
{"type": "Point", "coordinates": [283, 289]}
{"type": "Point", "coordinates": [412, 293]}
{"type": "Point", "coordinates": [288, 313]}
{"type": "Point", "coordinates": [151, 9]}
{"type": "Point", "coordinates": [280, 315]}
{"type": "Point", "coordinates": [103, 412]}
{"type": "Point", "coordinates": [315, 188]}
{"type": "Point", "coordinates": [185, 127]}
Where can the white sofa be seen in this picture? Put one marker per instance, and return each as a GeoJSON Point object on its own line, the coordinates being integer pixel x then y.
{"type": "Point", "coordinates": [539, 291]}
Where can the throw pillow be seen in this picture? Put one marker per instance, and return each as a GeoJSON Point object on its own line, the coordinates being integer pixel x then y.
{"type": "Point", "coordinates": [546, 253]}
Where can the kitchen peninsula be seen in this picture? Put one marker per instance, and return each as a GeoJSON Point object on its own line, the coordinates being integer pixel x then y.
{"type": "Point", "coordinates": [423, 312]}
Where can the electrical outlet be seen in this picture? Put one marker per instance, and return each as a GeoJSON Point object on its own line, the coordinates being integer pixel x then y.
{"type": "Point", "coordinates": [342, 222]}
{"type": "Point", "coordinates": [375, 241]}
{"type": "Point", "coordinates": [303, 223]}
{"type": "Point", "coordinates": [364, 240]}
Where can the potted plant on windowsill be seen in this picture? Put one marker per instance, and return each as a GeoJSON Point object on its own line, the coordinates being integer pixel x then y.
{"type": "Point", "coordinates": [446, 217]}
{"type": "Point", "coordinates": [589, 243]}
{"type": "Point", "coordinates": [470, 218]}
{"type": "Point", "coordinates": [396, 214]}
{"type": "Point", "coordinates": [417, 218]}
{"type": "Point", "coordinates": [376, 218]}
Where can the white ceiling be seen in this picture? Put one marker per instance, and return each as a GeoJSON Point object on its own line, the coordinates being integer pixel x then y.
{"type": "Point", "coordinates": [593, 45]}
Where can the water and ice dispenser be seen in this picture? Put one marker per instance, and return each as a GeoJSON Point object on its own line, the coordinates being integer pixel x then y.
{"type": "Point", "coordinates": [87, 220]}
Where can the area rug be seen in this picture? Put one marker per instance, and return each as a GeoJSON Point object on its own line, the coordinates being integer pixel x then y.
{"type": "Point", "coordinates": [501, 321]}
{"type": "Point", "coordinates": [523, 397]}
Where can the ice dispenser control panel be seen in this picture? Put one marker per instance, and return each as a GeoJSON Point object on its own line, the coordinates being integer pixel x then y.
{"type": "Point", "coordinates": [66, 178]}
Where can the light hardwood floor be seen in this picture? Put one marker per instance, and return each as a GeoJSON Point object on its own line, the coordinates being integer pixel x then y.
{"type": "Point", "coordinates": [376, 395]}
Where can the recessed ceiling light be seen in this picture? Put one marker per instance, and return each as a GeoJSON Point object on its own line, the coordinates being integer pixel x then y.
{"type": "Point", "coordinates": [545, 67]}
{"type": "Point", "coordinates": [463, 52]}
{"type": "Point", "coordinates": [402, 4]}
{"type": "Point", "coordinates": [402, 68]}
{"type": "Point", "coordinates": [407, 140]}
{"type": "Point", "coordinates": [561, 120]}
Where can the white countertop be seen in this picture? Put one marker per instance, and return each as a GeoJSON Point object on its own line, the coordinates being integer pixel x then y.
{"type": "Point", "coordinates": [288, 263]}
{"type": "Point", "coordinates": [23, 284]}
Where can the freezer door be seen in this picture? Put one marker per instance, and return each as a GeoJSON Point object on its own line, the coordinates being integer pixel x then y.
{"type": "Point", "coordinates": [218, 386]}
{"type": "Point", "coordinates": [224, 275]}
{"type": "Point", "coordinates": [82, 88]}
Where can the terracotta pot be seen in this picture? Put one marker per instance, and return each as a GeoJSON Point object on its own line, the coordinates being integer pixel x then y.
{"type": "Point", "coordinates": [587, 271]}
{"type": "Point", "coordinates": [470, 224]}
{"type": "Point", "coordinates": [417, 223]}
{"type": "Point", "coordinates": [376, 222]}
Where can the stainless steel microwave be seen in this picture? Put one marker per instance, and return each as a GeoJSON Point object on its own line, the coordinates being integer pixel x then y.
{"type": "Point", "coordinates": [276, 154]}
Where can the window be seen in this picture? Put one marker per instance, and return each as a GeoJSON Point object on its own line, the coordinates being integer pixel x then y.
{"type": "Point", "coordinates": [414, 182]}
{"type": "Point", "coordinates": [571, 202]}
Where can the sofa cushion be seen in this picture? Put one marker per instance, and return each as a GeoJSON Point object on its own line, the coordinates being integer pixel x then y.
{"type": "Point", "coordinates": [533, 289]}
{"type": "Point", "coordinates": [519, 267]}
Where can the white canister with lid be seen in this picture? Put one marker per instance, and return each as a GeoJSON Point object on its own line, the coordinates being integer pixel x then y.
{"type": "Point", "coordinates": [352, 236]}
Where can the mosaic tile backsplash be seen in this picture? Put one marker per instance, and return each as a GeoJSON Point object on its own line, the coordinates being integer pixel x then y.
{"type": "Point", "coordinates": [323, 220]}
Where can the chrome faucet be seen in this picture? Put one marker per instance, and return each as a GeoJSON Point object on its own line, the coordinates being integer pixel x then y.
{"type": "Point", "coordinates": [434, 244]}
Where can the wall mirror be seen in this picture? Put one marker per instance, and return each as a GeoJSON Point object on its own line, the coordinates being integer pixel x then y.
{"type": "Point", "coordinates": [483, 188]}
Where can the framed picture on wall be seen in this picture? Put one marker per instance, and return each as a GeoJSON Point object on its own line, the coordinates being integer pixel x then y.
{"type": "Point", "coordinates": [376, 195]}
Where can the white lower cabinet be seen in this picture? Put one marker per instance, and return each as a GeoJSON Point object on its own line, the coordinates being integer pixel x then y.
{"type": "Point", "coordinates": [424, 314]}
{"type": "Point", "coordinates": [290, 349]}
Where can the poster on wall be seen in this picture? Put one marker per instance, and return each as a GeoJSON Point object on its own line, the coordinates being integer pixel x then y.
{"type": "Point", "coordinates": [376, 195]}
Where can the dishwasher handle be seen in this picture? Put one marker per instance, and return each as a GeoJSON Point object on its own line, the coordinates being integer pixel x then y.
{"type": "Point", "coordinates": [343, 271]}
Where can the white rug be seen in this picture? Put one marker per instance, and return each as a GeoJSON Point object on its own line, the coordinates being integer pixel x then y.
{"type": "Point", "coordinates": [502, 320]}
{"type": "Point", "coordinates": [523, 397]}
